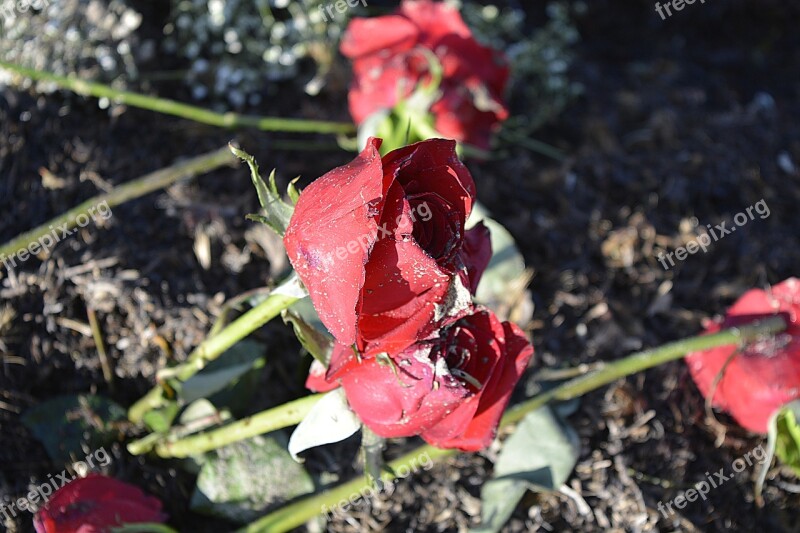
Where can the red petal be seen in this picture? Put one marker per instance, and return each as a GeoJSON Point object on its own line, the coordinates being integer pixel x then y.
{"type": "Point", "coordinates": [476, 254]}
{"type": "Point", "coordinates": [473, 427]}
{"type": "Point", "coordinates": [365, 36]}
{"type": "Point", "coordinates": [399, 402]}
{"type": "Point", "coordinates": [458, 118]}
{"type": "Point", "coordinates": [96, 503]}
{"type": "Point", "coordinates": [403, 286]}
{"type": "Point", "coordinates": [434, 20]}
{"type": "Point", "coordinates": [342, 360]}
{"type": "Point", "coordinates": [330, 234]}
{"type": "Point", "coordinates": [316, 380]}
{"type": "Point", "coordinates": [468, 62]}
{"type": "Point", "coordinates": [378, 84]}
{"type": "Point", "coordinates": [766, 374]}
{"type": "Point", "coordinates": [433, 166]}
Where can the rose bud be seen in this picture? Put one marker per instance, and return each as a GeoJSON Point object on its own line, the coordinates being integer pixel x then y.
{"type": "Point", "coordinates": [380, 245]}
{"type": "Point", "coordinates": [753, 382]}
{"type": "Point", "coordinates": [96, 504]}
{"type": "Point", "coordinates": [451, 389]}
{"type": "Point", "coordinates": [389, 62]}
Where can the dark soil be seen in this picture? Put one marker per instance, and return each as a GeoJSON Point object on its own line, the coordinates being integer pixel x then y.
{"type": "Point", "coordinates": [694, 118]}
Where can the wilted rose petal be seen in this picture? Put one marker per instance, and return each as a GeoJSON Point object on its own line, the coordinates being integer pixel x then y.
{"type": "Point", "coordinates": [95, 504]}
{"type": "Point", "coordinates": [389, 62]}
{"type": "Point", "coordinates": [765, 375]}
{"type": "Point", "coordinates": [380, 245]}
{"type": "Point", "coordinates": [451, 389]}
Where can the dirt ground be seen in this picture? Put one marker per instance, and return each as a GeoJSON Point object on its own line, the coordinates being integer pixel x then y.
{"type": "Point", "coordinates": [693, 117]}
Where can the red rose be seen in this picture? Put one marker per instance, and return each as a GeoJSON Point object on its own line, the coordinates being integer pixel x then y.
{"type": "Point", "coordinates": [450, 389]}
{"type": "Point", "coordinates": [388, 64]}
{"type": "Point", "coordinates": [764, 375]}
{"type": "Point", "coordinates": [95, 504]}
{"type": "Point", "coordinates": [379, 244]}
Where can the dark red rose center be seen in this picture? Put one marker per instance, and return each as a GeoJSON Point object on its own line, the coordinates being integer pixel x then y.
{"type": "Point", "coordinates": [464, 359]}
{"type": "Point", "coordinates": [437, 226]}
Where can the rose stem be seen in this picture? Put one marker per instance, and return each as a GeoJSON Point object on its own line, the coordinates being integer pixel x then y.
{"type": "Point", "coordinates": [124, 193]}
{"type": "Point", "coordinates": [171, 107]}
{"type": "Point", "coordinates": [299, 512]}
{"type": "Point", "coordinates": [288, 414]}
{"type": "Point", "coordinates": [213, 347]}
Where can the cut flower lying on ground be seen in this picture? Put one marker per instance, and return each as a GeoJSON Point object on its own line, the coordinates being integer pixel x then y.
{"type": "Point", "coordinates": [401, 345]}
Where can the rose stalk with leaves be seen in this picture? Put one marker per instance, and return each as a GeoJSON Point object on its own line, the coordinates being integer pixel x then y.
{"type": "Point", "coordinates": [409, 363]}
{"type": "Point", "coordinates": [382, 248]}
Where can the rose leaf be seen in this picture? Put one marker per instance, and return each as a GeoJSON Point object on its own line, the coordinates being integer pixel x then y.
{"type": "Point", "coordinates": [539, 455]}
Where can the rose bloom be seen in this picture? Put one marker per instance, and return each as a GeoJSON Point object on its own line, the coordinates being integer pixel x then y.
{"type": "Point", "coordinates": [763, 376]}
{"type": "Point", "coordinates": [381, 246]}
{"type": "Point", "coordinates": [450, 389]}
{"type": "Point", "coordinates": [95, 504]}
{"type": "Point", "coordinates": [389, 61]}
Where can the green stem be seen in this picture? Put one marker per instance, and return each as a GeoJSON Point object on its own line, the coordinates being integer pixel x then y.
{"type": "Point", "coordinates": [288, 414]}
{"type": "Point", "coordinates": [145, 444]}
{"type": "Point", "coordinates": [213, 347]}
{"type": "Point", "coordinates": [123, 193]}
{"type": "Point", "coordinates": [171, 107]}
{"type": "Point", "coordinates": [299, 512]}
{"type": "Point", "coordinates": [296, 514]}
{"type": "Point", "coordinates": [610, 372]}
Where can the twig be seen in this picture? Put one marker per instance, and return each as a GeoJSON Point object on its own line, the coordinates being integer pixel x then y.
{"type": "Point", "coordinates": [129, 191]}
{"type": "Point", "coordinates": [171, 107]}
{"type": "Point", "coordinates": [288, 414]}
{"type": "Point", "coordinates": [108, 374]}
{"type": "Point", "coordinates": [211, 348]}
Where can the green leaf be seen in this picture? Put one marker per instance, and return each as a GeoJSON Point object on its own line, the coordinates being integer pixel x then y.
{"type": "Point", "coordinates": [539, 455]}
{"type": "Point", "coordinates": [292, 191]}
{"type": "Point", "coordinates": [305, 310]}
{"type": "Point", "coordinates": [278, 213]}
{"type": "Point", "coordinates": [257, 218]}
{"type": "Point", "coordinates": [160, 420]}
{"type": "Point", "coordinates": [242, 481]}
{"type": "Point", "coordinates": [330, 420]}
{"type": "Point", "coordinates": [318, 343]}
{"type": "Point", "coordinates": [223, 371]}
{"type": "Point", "coordinates": [196, 411]}
{"type": "Point", "coordinates": [65, 424]}
{"type": "Point", "coordinates": [503, 285]}
{"type": "Point", "coordinates": [783, 440]}
{"type": "Point", "coordinates": [787, 445]}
